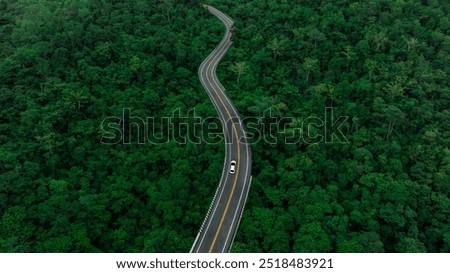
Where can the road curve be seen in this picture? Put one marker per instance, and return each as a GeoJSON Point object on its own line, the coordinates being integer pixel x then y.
{"type": "Point", "coordinates": [222, 220]}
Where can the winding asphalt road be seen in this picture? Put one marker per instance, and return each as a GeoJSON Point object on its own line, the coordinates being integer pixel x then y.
{"type": "Point", "coordinates": [222, 220]}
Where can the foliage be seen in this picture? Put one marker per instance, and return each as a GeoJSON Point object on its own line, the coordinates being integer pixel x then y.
{"type": "Point", "coordinates": [67, 65]}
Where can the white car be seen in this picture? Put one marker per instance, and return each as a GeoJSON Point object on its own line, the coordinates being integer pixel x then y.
{"type": "Point", "coordinates": [232, 166]}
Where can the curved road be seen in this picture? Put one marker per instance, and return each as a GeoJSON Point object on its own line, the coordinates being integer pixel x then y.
{"type": "Point", "coordinates": [222, 220]}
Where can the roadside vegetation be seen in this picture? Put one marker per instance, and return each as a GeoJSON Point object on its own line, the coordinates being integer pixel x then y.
{"type": "Point", "coordinates": [67, 65]}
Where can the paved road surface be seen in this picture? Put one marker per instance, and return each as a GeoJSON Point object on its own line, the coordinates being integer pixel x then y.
{"type": "Point", "coordinates": [221, 223]}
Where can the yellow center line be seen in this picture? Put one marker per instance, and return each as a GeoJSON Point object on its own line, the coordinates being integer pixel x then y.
{"type": "Point", "coordinates": [237, 170]}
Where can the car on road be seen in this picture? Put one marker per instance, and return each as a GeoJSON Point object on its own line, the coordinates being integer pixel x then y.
{"type": "Point", "coordinates": [232, 166]}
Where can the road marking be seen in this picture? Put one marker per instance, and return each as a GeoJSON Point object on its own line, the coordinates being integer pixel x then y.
{"type": "Point", "coordinates": [237, 172]}
{"type": "Point", "coordinates": [246, 184]}
{"type": "Point", "coordinates": [227, 146]}
{"type": "Point", "coordinates": [238, 165]}
{"type": "Point", "coordinates": [237, 169]}
{"type": "Point", "coordinates": [220, 50]}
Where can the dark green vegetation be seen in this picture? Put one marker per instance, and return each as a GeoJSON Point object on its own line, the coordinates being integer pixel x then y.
{"type": "Point", "coordinates": [67, 65]}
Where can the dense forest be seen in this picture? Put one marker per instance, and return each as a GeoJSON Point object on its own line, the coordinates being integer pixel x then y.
{"type": "Point", "coordinates": [67, 65]}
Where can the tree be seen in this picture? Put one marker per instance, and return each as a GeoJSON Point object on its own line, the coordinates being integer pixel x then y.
{"type": "Point", "coordinates": [310, 67]}
{"type": "Point", "coordinates": [66, 66]}
{"type": "Point", "coordinates": [239, 68]}
{"type": "Point", "coordinates": [410, 245]}
{"type": "Point", "coordinates": [315, 35]}
{"type": "Point", "coordinates": [371, 66]}
{"type": "Point", "coordinates": [312, 238]}
{"type": "Point", "coordinates": [380, 39]}
{"type": "Point", "coordinates": [277, 47]}
{"type": "Point", "coordinates": [349, 54]}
